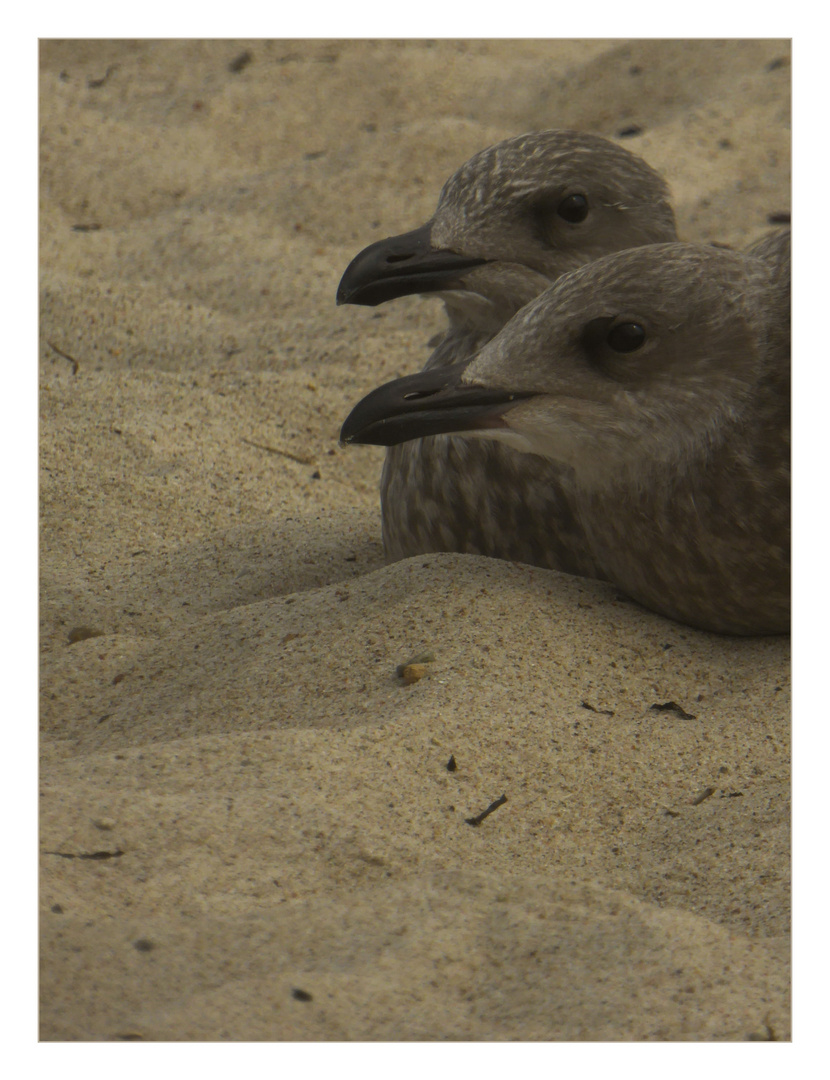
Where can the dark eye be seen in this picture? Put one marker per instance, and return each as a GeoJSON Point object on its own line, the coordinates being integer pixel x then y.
{"type": "Point", "coordinates": [626, 337]}
{"type": "Point", "coordinates": [574, 209]}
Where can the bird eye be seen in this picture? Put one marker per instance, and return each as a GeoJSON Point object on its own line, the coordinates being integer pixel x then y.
{"type": "Point", "coordinates": [574, 209]}
{"type": "Point", "coordinates": [626, 337]}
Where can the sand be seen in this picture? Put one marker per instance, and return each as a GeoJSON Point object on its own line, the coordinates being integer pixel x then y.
{"type": "Point", "coordinates": [249, 829]}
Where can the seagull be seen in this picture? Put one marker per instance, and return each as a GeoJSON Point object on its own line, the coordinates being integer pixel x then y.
{"type": "Point", "coordinates": [509, 222]}
{"type": "Point", "coordinates": [656, 382]}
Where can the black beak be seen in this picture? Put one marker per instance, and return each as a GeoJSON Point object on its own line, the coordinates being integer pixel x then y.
{"type": "Point", "coordinates": [433, 402]}
{"type": "Point", "coordinates": [400, 266]}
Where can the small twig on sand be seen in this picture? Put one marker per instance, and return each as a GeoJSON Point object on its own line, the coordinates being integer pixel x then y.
{"type": "Point", "coordinates": [493, 806]}
{"type": "Point", "coordinates": [66, 356]}
{"type": "Point", "coordinates": [276, 450]}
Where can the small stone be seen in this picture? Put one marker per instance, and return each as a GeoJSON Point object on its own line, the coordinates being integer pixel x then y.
{"type": "Point", "coordinates": [81, 633]}
{"type": "Point", "coordinates": [411, 673]}
{"type": "Point", "coordinates": [240, 62]}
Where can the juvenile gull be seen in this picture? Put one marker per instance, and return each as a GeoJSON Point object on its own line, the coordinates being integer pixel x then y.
{"type": "Point", "coordinates": [509, 222]}
{"type": "Point", "coordinates": [657, 379]}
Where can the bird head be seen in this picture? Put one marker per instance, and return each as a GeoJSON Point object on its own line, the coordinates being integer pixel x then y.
{"type": "Point", "coordinates": [634, 365]}
{"type": "Point", "coordinates": [512, 220]}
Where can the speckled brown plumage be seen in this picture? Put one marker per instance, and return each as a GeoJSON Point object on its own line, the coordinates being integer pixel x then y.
{"type": "Point", "coordinates": [502, 208]}
{"type": "Point", "coordinates": [657, 381]}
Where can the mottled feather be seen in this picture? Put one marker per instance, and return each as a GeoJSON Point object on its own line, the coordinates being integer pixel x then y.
{"type": "Point", "coordinates": [657, 382]}
{"type": "Point", "coordinates": [446, 494]}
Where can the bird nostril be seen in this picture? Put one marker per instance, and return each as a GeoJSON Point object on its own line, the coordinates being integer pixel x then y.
{"type": "Point", "coordinates": [397, 258]}
{"type": "Point", "coordinates": [413, 395]}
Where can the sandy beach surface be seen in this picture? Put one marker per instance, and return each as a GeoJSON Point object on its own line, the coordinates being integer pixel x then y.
{"type": "Point", "coordinates": [251, 827]}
